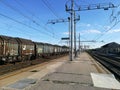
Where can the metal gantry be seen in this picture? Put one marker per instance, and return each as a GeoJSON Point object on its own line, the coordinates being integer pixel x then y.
{"type": "Point", "coordinates": [58, 21]}
{"type": "Point", "coordinates": [72, 21]}
{"type": "Point", "coordinates": [72, 10]}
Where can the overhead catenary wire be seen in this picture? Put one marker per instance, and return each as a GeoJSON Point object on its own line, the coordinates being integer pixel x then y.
{"type": "Point", "coordinates": [47, 4]}
{"type": "Point", "coordinates": [89, 7]}
{"type": "Point", "coordinates": [51, 9]}
{"type": "Point", "coordinates": [19, 30]}
{"type": "Point", "coordinates": [22, 23]}
{"type": "Point", "coordinates": [112, 19]}
{"type": "Point", "coordinates": [116, 22]}
{"type": "Point", "coordinates": [108, 30]}
{"type": "Point", "coordinates": [29, 18]}
{"type": "Point", "coordinates": [18, 11]}
{"type": "Point", "coordinates": [95, 37]}
{"type": "Point", "coordinates": [30, 12]}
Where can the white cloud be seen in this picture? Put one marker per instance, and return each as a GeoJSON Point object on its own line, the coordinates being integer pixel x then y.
{"type": "Point", "coordinates": [94, 31]}
{"type": "Point", "coordinates": [88, 25]}
{"type": "Point", "coordinates": [91, 31]}
{"type": "Point", "coordinates": [114, 31]}
{"type": "Point", "coordinates": [66, 33]}
{"type": "Point", "coordinates": [106, 27]}
{"type": "Point", "coordinates": [84, 25]}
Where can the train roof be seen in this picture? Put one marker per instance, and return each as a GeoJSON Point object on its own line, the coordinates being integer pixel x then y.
{"type": "Point", "coordinates": [65, 46]}
{"type": "Point", "coordinates": [8, 38]}
{"type": "Point", "coordinates": [57, 45]}
{"type": "Point", "coordinates": [48, 44]}
{"type": "Point", "coordinates": [25, 41]}
{"type": "Point", "coordinates": [38, 42]}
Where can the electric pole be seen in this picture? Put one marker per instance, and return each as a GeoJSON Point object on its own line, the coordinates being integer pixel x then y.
{"type": "Point", "coordinates": [72, 29]}
{"type": "Point", "coordinates": [75, 52]}
{"type": "Point", "coordinates": [79, 43]}
{"type": "Point", "coordinates": [69, 27]}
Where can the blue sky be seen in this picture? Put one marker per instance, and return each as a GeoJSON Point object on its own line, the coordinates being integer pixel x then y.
{"type": "Point", "coordinates": [30, 17]}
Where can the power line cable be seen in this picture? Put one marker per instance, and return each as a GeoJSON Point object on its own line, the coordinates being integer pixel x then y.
{"type": "Point", "coordinates": [20, 4]}
{"type": "Point", "coordinates": [108, 30]}
{"type": "Point", "coordinates": [18, 29]}
{"type": "Point", "coordinates": [114, 19]}
{"type": "Point", "coordinates": [116, 22]}
{"type": "Point", "coordinates": [45, 2]}
{"type": "Point", "coordinates": [21, 23]}
{"type": "Point", "coordinates": [18, 11]}
{"type": "Point", "coordinates": [49, 6]}
{"type": "Point", "coordinates": [44, 27]}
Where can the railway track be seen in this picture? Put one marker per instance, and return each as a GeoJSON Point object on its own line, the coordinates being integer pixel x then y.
{"type": "Point", "coordinates": [4, 69]}
{"type": "Point", "coordinates": [112, 64]}
{"type": "Point", "coordinates": [42, 68]}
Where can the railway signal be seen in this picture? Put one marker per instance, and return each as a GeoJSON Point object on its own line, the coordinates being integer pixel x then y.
{"type": "Point", "coordinates": [65, 38]}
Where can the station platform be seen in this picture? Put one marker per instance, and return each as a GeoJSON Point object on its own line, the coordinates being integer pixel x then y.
{"type": "Point", "coordinates": [83, 73]}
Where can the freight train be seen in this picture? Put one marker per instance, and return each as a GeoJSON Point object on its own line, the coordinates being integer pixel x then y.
{"type": "Point", "coordinates": [19, 49]}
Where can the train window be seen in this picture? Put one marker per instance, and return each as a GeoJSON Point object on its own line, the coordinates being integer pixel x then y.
{"type": "Point", "coordinates": [39, 50]}
{"type": "Point", "coordinates": [24, 47]}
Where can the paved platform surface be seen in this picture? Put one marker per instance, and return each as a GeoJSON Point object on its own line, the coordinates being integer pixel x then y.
{"type": "Point", "coordinates": [71, 75]}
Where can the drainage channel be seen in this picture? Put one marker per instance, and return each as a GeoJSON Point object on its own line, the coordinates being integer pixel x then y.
{"type": "Point", "coordinates": [68, 82]}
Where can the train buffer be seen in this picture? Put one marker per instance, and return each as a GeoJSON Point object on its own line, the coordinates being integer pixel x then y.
{"type": "Point", "coordinates": [84, 73]}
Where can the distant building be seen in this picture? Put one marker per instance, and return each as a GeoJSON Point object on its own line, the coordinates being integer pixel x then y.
{"type": "Point", "coordinates": [112, 47]}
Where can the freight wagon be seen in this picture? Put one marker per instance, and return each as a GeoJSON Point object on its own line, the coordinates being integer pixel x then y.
{"type": "Point", "coordinates": [18, 49]}
{"type": "Point", "coordinates": [8, 49]}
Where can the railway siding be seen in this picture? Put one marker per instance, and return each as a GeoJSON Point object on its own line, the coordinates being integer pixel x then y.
{"type": "Point", "coordinates": [110, 63]}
